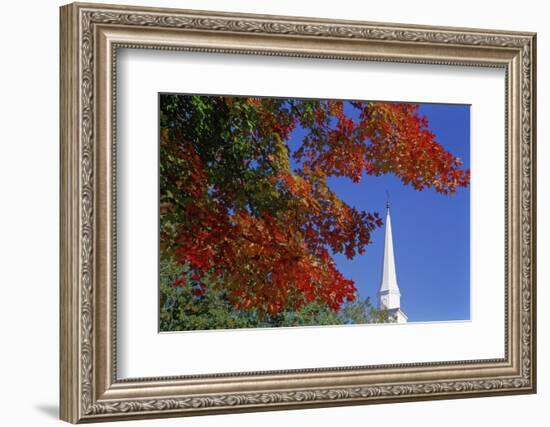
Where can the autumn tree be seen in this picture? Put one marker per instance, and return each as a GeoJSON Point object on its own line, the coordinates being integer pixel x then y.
{"type": "Point", "coordinates": [250, 218]}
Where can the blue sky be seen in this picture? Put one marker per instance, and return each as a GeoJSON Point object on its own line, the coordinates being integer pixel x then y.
{"type": "Point", "coordinates": [431, 232]}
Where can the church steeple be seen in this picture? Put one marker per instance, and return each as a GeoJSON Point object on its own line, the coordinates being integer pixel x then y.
{"type": "Point", "coordinates": [389, 296]}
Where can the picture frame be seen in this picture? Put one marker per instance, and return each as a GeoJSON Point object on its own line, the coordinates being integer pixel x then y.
{"type": "Point", "coordinates": [91, 36]}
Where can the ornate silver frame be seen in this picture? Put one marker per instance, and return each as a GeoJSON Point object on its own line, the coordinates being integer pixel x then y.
{"type": "Point", "coordinates": [90, 36]}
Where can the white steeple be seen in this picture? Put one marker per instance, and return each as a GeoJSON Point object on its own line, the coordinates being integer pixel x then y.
{"type": "Point", "coordinates": [389, 296]}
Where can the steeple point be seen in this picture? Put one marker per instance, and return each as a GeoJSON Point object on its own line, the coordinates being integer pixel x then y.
{"type": "Point", "coordinates": [389, 296]}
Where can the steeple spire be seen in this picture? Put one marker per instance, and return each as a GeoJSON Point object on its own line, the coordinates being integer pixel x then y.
{"type": "Point", "coordinates": [389, 277]}
{"type": "Point", "coordinates": [389, 296]}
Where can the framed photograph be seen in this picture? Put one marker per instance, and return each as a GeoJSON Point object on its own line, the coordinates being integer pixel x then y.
{"type": "Point", "coordinates": [267, 212]}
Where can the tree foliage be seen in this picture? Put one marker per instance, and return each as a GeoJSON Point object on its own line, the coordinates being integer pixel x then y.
{"type": "Point", "coordinates": [187, 308]}
{"type": "Point", "coordinates": [253, 223]}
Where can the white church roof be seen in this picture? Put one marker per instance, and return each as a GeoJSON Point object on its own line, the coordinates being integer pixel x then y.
{"type": "Point", "coordinates": [389, 277]}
